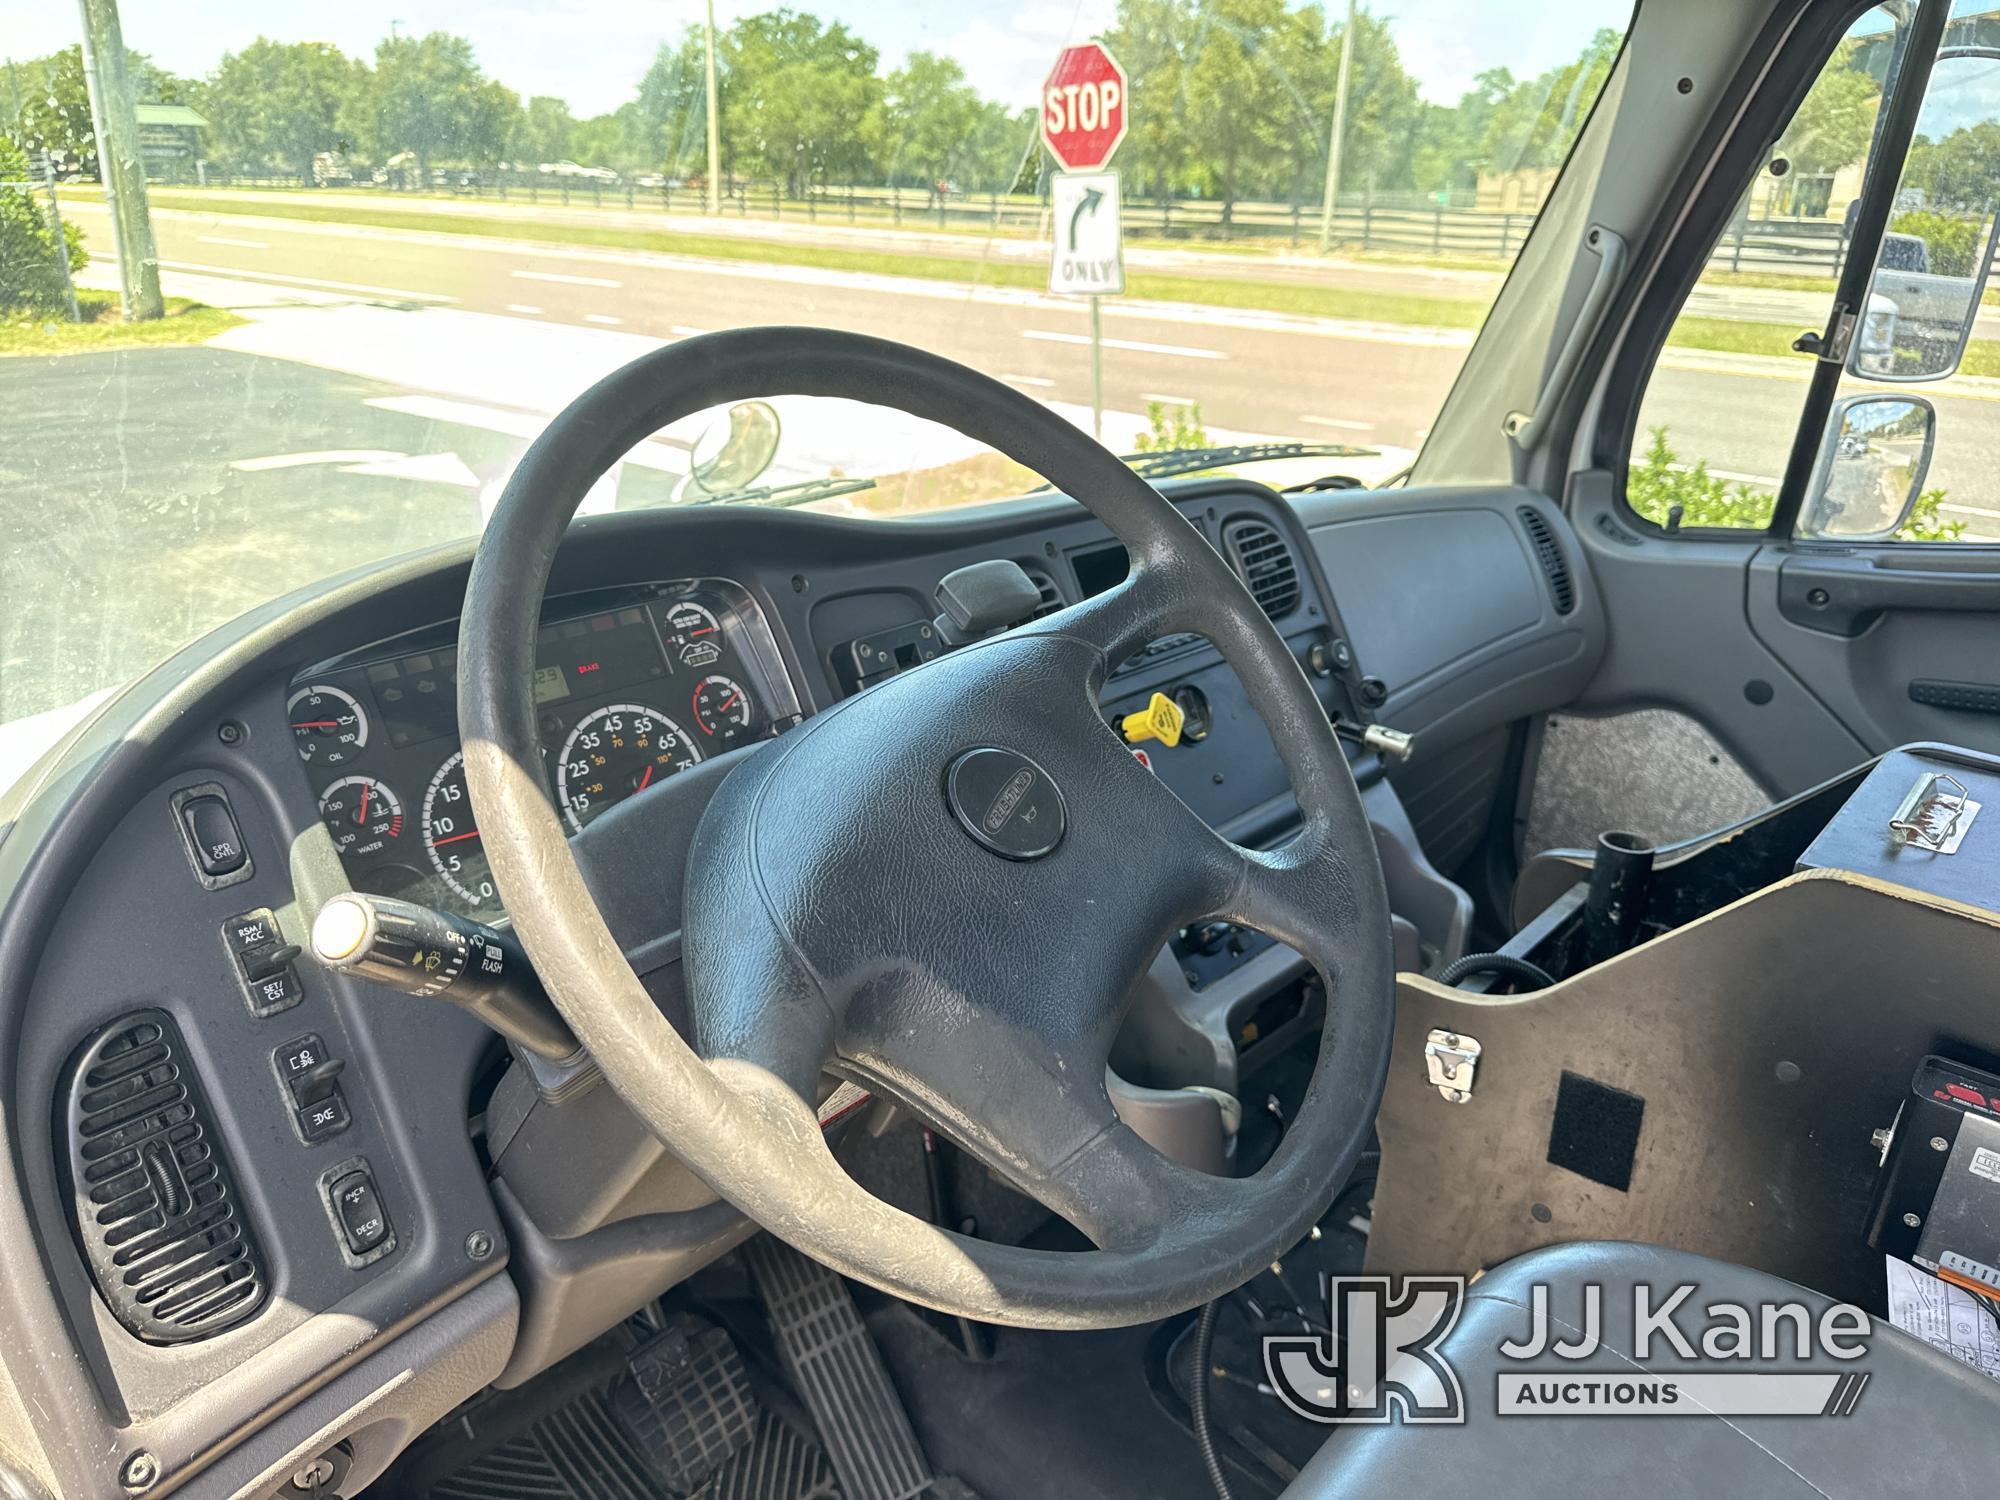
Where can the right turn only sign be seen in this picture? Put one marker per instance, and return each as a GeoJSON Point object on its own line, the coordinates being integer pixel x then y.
{"type": "Point", "coordinates": [1088, 257]}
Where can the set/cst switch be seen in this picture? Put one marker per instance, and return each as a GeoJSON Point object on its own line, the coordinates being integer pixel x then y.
{"type": "Point", "coordinates": [263, 961]}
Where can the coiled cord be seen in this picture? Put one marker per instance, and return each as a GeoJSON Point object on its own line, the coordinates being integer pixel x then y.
{"type": "Point", "coordinates": [1204, 1436]}
{"type": "Point", "coordinates": [1496, 963]}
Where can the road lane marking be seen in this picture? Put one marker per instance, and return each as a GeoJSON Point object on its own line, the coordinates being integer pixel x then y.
{"type": "Point", "coordinates": [525, 309]}
{"type": "Point", "coordinates": [1338, 423]}
{"type": "Point", "coordinates": [328, 456]}
{"type": "Point", "coordinates": [567, 280]}
{"type": "Point", "coordinates": [1166, 400]}
{"type": "Point", "coordinates": [689, 333]}
{"type": "Point", "coordinates": [1972, 510]}
{"type": "Point", "coordinates": [285, 278]}
{"type": "Point", "coordinates": [605, 318]}
{"type": "Point", "coordinates": [1033, 380]}
{"type": "Point", "coordinates": [1734, 476]}
{"type": "Point", "coordinates": [1136, 346]}
{"type": "Point", "coordinates": [223, 239]}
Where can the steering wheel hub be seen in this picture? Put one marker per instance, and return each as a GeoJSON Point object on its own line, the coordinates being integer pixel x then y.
{"type": "Point", "coordinates": [1006, 802]}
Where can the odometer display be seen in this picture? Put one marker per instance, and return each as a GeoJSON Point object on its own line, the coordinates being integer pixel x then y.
{"type": "Point", "coordinates": [451, 837]}
{"type": "Point", "coordinates": [617, 752]}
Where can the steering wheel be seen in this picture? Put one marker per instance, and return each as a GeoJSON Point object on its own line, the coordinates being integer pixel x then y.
{"type": "Point", "coordinates": [944, 887]}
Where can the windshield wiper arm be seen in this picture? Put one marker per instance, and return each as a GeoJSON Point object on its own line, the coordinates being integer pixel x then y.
{"type": "Point", "coordinates": [1164, 465]}
{"type": "Point", "coordinates": [783, 496]}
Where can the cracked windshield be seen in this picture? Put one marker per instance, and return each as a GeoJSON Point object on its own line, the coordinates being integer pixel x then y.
{"type": "Point", "coordinates": [287, 291]}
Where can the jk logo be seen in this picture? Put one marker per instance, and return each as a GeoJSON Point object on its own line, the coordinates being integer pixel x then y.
{"type": "Point", "coordinates": [1378, 1361]}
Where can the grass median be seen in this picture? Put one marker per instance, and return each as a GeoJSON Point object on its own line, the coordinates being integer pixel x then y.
{"type": "Point", "coordinates": [104, 327]}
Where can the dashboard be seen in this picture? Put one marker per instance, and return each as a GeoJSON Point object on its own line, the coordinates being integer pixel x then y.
{"type": "Point", "coordinates": [516, 1211]}
{"type": "Point", "coordinates": [646, 682]}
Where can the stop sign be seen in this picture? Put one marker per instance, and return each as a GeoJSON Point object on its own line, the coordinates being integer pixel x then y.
{"type": "Point", "coordinates": [1083, 108]}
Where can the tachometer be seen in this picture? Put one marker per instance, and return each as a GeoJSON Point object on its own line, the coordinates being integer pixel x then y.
{"type": "Point", "coordinates": [327, 725]}
{"type": "Point", "coordinates": [694, 636]}
{"type": "Point", "coordinates": [362, 814]}
{"type": "Point", "coordinates": [722, 707]}
{"type": "Point", "coordinates": [615, 752]}
{"type": "Point", "coordinates": [451, 836]}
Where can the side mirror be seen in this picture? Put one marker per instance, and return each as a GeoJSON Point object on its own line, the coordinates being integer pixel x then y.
{"type": "Point", "coordinates": [1871, 468]}
{"type": "Point", "coordinates": [1930, 273]}
{"type": "Point", "coordinates": [731, 455]}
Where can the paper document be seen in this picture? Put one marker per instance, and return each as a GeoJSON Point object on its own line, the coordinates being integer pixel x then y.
{"type": "Point", "coordinates": [1944, 1316]}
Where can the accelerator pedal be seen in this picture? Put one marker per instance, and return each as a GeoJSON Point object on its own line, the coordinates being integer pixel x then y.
{"type": "Point", "coordinates": [839, 1374]}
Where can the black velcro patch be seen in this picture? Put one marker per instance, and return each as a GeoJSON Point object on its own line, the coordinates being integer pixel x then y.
{"type": "Point", "coordinates": [1596, 1130]}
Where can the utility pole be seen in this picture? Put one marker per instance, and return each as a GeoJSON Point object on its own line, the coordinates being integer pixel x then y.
{"type": "Point", "coordinates": [1339, 131]}
{"type": "Point", "coordinates": [714, 125]}
{"type": "Point", "coordinates": [118, 164]}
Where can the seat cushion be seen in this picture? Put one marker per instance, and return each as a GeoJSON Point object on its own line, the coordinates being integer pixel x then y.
{"type": "Point", "coordinates": [1924, 1424]}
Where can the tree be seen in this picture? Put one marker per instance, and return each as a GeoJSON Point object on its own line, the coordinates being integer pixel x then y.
{"type": "Point", "coordinates": [281, 103]}
{"type": "Point", "coordinates": [1238, 103]}
{"type": "Point", "coordinates": [670, 119]}
{"type": "Point", "coordinates": [48, 105]}
{"type": "Point", "coordinates": [1534, 126]}
{"type": "Point", "coordinates": [546, 131]}
{"type": "Point", "coordinates": [429, 96]}
{"type": "Point", "coordinates": [31, 277]}
{"type": "Point", "coordinates": [1836, 119]}
{"type": "Point", "coordinates": [796, 92]}
{"type": "Point", "coordinates": [925, 120]}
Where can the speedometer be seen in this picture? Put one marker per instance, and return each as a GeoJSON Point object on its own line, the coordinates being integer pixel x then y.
{"type": "Point", "coordinates": [451, 837]}
{"type": "Point", "coordinates": [615, 752]}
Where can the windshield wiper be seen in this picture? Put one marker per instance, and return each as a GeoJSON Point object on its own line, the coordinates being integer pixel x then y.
{"type": "Point", "coordinates": [783, 496]}
{"type": "Point", "coordinates": [1164, 465]}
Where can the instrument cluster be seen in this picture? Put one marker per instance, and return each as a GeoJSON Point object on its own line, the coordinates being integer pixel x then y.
{"type": "Point", "coordinates": [629, 692]}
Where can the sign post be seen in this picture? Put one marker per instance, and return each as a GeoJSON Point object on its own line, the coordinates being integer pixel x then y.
{"type": "Point", "coordinates": [1084, 118]}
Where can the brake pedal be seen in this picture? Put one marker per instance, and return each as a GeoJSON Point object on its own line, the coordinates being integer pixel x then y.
{"type": "Point", "coordinates": [685, 1404]}
{"type": "Point", "coordinates": [839, 1374]}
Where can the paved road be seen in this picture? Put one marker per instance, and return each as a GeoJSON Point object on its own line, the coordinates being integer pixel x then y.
{"type": "Point", "coordinates": [135, 525]}
{"type": "Point", "coordinates": [1249, 372]}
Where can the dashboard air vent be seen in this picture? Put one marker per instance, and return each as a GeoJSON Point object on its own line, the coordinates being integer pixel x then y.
{"type": "Point", "coordinates": [1052, 599]}
{"type": "Point", "coordinates": [1555, 567]}
{"type": "Point", "coordinates": [155, 1207]}
{"type": "Point", "coordinates": [1264, 563]}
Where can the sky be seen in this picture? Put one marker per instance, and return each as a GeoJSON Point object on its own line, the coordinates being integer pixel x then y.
{"type": "Point", "coordinates": [592, 53]}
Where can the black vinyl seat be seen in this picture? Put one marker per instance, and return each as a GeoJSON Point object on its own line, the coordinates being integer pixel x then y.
{"type": "Point", "coordinates": [1924, 1424]}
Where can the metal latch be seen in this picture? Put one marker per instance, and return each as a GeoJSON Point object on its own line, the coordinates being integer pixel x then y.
{"type": "Point", "coordinates": [1936, 814]}
{"type": "Point", "coordinates": [1450, 1059]}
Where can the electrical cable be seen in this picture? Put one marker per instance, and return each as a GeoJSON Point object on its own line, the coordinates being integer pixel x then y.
{"type": "Point", "coordinates": [1496, 963]}
{"type": "Point", "coordinates": [1204, 1435]}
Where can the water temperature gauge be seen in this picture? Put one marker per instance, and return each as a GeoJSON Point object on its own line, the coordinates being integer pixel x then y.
{"type": "Point", "coordinates": [362, 814]}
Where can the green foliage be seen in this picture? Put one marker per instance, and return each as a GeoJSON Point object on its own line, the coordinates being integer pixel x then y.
{"type": "Point", "coordinates": [1171, 428]}
{"type": "Point", "coordinates": [1953, 241]}
{"type": "Point", "coordinates": [1836, 120]}
{"type": "Point", "coordinates": [544, 132]}
{"type": "Point", "coordinates": [31, 278]}
{"type": "Point", "coordinates": [1657, 483]}
{"type": "Point", "coordinates": [279, 104]}
{"type": "Point", "coordinates": [1960, 172]}
{"type": "Point", "coordinates": [428, 95]}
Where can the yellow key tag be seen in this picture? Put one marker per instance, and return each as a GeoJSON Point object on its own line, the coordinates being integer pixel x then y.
{"type": "Point", "coordinates": [1159, 720]}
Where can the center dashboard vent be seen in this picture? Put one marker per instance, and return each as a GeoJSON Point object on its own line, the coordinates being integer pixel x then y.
{"type": "Point", "coordinates": [1264, 562]}
{"type": "Point", "coordinates": [1549, 553]}
{"type": "Point", "coordinates": [1052, 599]}
{"type": "Point", "coordinates": [155, 1207]}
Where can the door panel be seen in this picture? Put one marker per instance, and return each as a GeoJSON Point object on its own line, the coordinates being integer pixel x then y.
{"type": "Point", "coordinates": [1681, 638]}
{"type": "Point", "coordinates": [1902, 642]}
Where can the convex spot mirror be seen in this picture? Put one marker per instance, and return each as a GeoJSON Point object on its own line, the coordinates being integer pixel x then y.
{"type": "Point", "coordinates": [1871, 468]}
{"type": "Point", "coordinates": [731, 454]}
{"type": "Point", "coordinates": [1930, 274]}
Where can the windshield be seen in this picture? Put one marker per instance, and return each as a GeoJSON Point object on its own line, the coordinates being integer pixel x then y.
{"type": "Point", "coordinates": [349, 262]}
